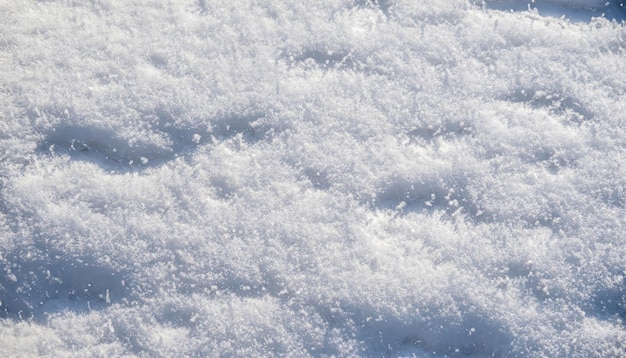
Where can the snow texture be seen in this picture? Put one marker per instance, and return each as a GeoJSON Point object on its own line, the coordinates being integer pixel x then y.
{"type": "Point", "coordinates": [312, 178]}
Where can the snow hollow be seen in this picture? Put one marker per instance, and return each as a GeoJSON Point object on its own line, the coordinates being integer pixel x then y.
{"type": "Point", "coordinates": [312, 178]}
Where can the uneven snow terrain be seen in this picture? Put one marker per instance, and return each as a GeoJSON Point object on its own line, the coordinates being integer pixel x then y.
{"type": "Point", "coordinates": [312, 178]}
{"type": "Point", "coordinates": [573, 10]}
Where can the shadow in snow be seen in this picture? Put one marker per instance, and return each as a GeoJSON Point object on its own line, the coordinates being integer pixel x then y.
{"type": "Point", "coordinates": [556, 103]}
{"type": "Point", "coordinates": [326, 59]}
{"type": "Point", "coordinates": [448, 195]}
{"type": "Point", "coordinates": [185, 138]}
{"type": "Point", "coordinates": [204, 8]}
{"type": "Point", "coordinates": [104, 147]}
{"type": "Point", "coordinates": [100, 146]}
{"type": "Point", "coordinates": [35, 288]}
{"type": "Point", "coordinates": [318, 178]}
{"type": "Point", "coordinates": [382, 5]}
{"type": "Point", "coordinates": [608, 304]}
{"type": "Point", "coordinates": [582, 11]}
{"type": "Point", "coordinates": [449, 129]}
{"type": "Point", "coordinates": [432, 330]}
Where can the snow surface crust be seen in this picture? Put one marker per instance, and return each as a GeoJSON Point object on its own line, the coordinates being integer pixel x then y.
{"type": "Point", "coordinates": [310, 178]}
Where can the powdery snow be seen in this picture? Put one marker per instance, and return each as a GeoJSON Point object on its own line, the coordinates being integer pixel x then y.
{"type": "Point", "coordinates": [570, 10]}
{"type": "Point", "coordinates": [296, 178]}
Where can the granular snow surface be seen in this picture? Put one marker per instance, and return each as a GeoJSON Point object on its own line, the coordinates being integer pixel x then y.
{"type": "Point", "coordinates": [322, 178]}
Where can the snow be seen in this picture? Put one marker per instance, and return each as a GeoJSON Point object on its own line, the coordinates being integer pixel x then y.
{"type": "Point", "coordinates": [571, 10]}
{"type": "Point", "coordinates": [330, 178]}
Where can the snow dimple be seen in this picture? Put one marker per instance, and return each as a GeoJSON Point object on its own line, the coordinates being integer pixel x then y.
{"type": "Point", "coordinates": [382, 5]}
{"type": "Point", "coordinates": [325, 59]}
{"type": "Point", "coordinates": [451, 129]}
{"type": "Point", "coordinates": [203, 6]}
{"type": "Point", "coordinates": [252, 128]}
{"type": "Point", "coordinates": [107, 150]}
{"type": "Point", "coordinates": [158, 60]}
{"type": "Point", "coordinates": [34, 286]}
{"type": "Point", "coordinates": [558, 104]}
{"type": "Point", "coordinates": [318, 178]}
{"type": "Point", "coordinates": [101, 147]}
{"type": "Point", "coordinates": [425, 195]}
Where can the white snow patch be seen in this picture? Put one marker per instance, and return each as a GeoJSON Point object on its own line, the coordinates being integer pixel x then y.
{"type": "Point", "coordinates": [328, 178]}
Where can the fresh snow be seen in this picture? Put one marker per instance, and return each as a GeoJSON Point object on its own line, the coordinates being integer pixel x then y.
{"type": "Point", "coordinates": [312, 178]}
{"type": "Point", "coordinates": [572, 10]}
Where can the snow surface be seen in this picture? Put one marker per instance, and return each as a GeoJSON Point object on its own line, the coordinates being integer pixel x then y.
{"type": "Point", "coordinates": [573, 10]}
{"type": "Point", "coordinates": [312, 178]}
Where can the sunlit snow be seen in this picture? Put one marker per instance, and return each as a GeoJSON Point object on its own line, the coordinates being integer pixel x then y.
{"type": "Point", "coordinates": [312, 178]}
